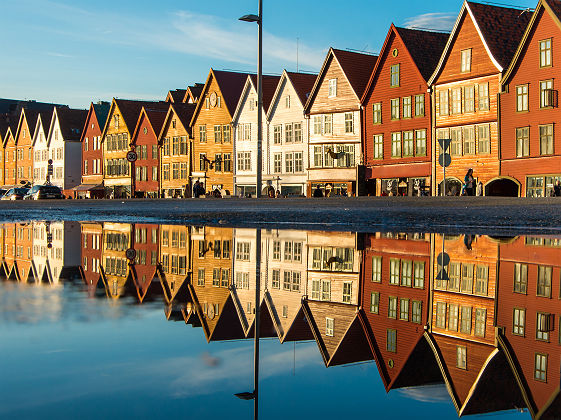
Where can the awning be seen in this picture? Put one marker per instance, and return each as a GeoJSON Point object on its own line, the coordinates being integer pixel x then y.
{"type": "Point", "coordinates": [402, 170]}
{"type": "Point", "coordinates": [88, 187]}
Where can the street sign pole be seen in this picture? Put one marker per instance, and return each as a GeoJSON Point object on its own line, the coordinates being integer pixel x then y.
{"type": "Point", "coordinates": [444, 160]}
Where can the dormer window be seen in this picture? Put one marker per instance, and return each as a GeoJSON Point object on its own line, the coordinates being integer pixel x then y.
{"type": "Point", "coordinates": [545, 53]}
{"type": "Point", "coordinates": [466, 61]}
{"type": "Point", "coordinates": [332, 88]}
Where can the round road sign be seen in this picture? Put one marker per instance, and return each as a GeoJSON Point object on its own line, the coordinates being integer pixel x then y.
{"type": "Point", "coordinates": [443, 259]}
{"type": "Point", "coordinates": [130, 253]}
{"type": "Point", "coordinates": [131, 156]}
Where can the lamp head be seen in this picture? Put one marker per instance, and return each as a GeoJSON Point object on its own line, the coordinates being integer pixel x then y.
{"type": "Point", "coordinates": [250, 18]}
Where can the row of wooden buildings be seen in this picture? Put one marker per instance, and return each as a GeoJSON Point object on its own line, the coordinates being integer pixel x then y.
{"type": "Point", "coordinates": [489, 332]}
{"type": "Point", "coordinates": [365, 125]}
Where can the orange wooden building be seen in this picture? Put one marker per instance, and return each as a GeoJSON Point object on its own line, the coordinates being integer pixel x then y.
{"type": "Point", "coordinates": [530, 149]}
{"type": "Point", "coordinates": [464, 88]}
{"type": "Point", "coordinates": [397, 113]}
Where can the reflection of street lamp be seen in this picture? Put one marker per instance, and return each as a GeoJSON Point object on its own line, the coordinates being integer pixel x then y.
{"type": "Point", "coordinates": [259, 20]}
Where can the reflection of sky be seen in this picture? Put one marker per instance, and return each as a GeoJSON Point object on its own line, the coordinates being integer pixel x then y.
{"type": "Point", "coordinates": [90, 358]}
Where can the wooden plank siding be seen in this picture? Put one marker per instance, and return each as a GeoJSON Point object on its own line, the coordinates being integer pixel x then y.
{"type": "Point", "coordinates": [24, 147]}
{"type": "Point", "coordinates": [10, 158]}
{"type": "Point", "coordinates": [91, 251]}
{"type": "Point", "coordinates": [527, 71]}
{"type": "Point", "coordinates": [92, 153]}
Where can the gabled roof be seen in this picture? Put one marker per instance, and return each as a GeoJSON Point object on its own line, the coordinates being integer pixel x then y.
{"type": "Point", "coordinates": [270, 84]}
{"type": "Point", "coordinates": [302, 83]}
{"type": "Point", "coordinates": [11, 130]}
{"type": "Point", "coordinates": [101, 111]}
{"type": "Point", "coordinates": [130, 110]}
{"type": "Point", "coordinates": [31, 117]}
{"type": "Point", "coordinates": [176, 96]}
{"type": "Point", "coordinates": [14, 106]}
{"type": "Point", "coordinates": [231, 85]}
{"type": "Point", "coordinates": [71, 122]}
{"type": "Point", "coordinates": [184, 113]}
{"type": "Point", "coordinates": [423, 47]}
{"type": "Point", "coordinates": [553, 7]}
{"type": "Point", "coordinates": [500, 30]}
{"type": "Point", "coordinates": [155, 118]}
{"type": "Point", "coordinates": [356, 67]}
{"type": "Point", "coordinates": [6, 121]}
{"type": "Point", "coordinates": [43, 120]}
{"type": "Point", "coordinates": [193, 92]}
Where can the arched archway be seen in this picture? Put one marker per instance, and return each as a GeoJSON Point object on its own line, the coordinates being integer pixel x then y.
{"type": "Point", "coordinates": [453, 186]}
{"type": "Point", "coordinates": [503, 187]}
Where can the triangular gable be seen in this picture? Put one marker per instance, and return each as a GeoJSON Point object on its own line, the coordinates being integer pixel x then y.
{"type": "Point", "coordinates": [30, 118]}
{"type": "Point", "coordinates": [353, 347]}
{"type": "Point", "coordinates": [228, 326]}
{"type": "Point", "coordinates": [299, 329]}
{"type": "Point", "coordinates": [301, 84]}
{"type": "Point", "coordinates": [554, 10]}
{"type": "Point", "coordinates": [487, 25]}
{"type": "Point", "coordinates": [266, 323]}
{"type": "Point", "coordinates": [193, 93]}
{"type": "Point", "coordinates": [155, 119]}
{"type": "Point", "coordinates": [247, 88]}
{"type": "Point", "coordinates": [40, 128]}
{"type": "Point", "coordinates": [183, 112]}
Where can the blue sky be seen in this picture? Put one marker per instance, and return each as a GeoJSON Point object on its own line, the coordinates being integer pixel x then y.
{"type": "Point", "coordinates": [77, 51]}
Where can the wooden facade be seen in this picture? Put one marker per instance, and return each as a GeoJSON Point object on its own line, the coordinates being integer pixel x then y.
{"type": "Point", "coordinates": [530, 146]}
{"type": "Point", "coordinates": [10, 157]}
{"type": "Point", "coordinates": [91, 246]}
{"type": "Point", "coordinates": [465, 85]}
{"type": "Point", "coordinates": [335, 127]}
{"type": "Point", "coordinates": [24, 146]}
{"type": "Point", "coordinates": [41, 154]}
{"type": "Point", "coordinates": [397, 114]}
{"type": "Point", "coordinates": [211, 126]}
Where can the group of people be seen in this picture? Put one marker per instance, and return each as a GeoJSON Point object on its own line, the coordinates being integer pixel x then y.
{"type": "Point", "coordinates": [198, 189]}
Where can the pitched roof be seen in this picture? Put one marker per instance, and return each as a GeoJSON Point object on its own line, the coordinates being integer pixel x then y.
{"type": "Point", "coordinates": [357, 67]}
{"type": "Point", "coordinates": [194, 91]}
{"type": "Point", "coordinates": [156, 118]}
{"type": "Point", "coordinates": [184, 112]}
{"type": "Point", "coordinates": [231, 85]}
{"type": "Point", "coordinates": [101, 110]}
{"type": "Point", "coordinates": [130, 110]}
{"type": "Point", "coordinates": [176, 96]}
{"type": "Point", "coordinates": [16, 105]}
{"type": "Point", "coordinates": [303, 84]}
{"type": "Point", "coordinates": [555, 7]}
{"type": "Point", "coordinates": [425, 48]}
{"type": "Point", "coordinates": [71, 122]}
{"type": "Point", "coordinates": [269, 87]}
{"type": "Point", "coordinates": [501, 27]}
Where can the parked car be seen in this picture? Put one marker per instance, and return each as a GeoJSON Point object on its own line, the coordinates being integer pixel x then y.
{"type": "Point", "coordinates": [15, 194]}
{"type": "Point", "coordinates": [40, 192]}
{"type": "Point", "coordinates": [3, 192]}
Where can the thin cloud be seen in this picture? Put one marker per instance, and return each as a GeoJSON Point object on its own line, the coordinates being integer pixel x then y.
{"type": "Point", "coordinates": [427, 393]}
{"type": "Point", "coordinates": [60, 55]}
{"type": "Point", "coordinates": [437, 21]}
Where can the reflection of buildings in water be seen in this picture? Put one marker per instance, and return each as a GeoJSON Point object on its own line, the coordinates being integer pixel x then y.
{"type": "Point", "coordinates": [144, 268]}
{"type": "Point", "coordinates": [17, 244]}
{"type": "Point", "coordinates": [114, 264]}
{"type": "Point", "coordinates": [91, 254]}
{"type": "Point", "coordinates": [528, 317]}
{"type": "Point", "coordinates": [56, 252]}
{"type": "Point", "coordinates": [395, 306]}
{"type": "Point", "coordinates": [212, 301]}
{"type": "Point", "coordinates": [332, 302]}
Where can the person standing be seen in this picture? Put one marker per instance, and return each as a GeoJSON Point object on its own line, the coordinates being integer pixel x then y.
{"type": "Point", "coordinates": [557, 189]}
{"type": "Point", "coordinates": [469, 183]}
{"type": "Point", "coordinates": [196, 189]}
{"type": "Point", "coordinates": [317, 192]}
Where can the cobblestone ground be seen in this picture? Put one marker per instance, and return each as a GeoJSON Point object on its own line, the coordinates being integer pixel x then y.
{"type": "Point", "coordinates": [491, 215]}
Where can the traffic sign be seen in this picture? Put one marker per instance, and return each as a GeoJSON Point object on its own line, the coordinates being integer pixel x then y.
{"type": "Point", "coordinates": [443, 258]}
{"type": "Point", "coordinates": [50, 169]}
{"type": "Point", "coordinates": [442, 275]}
{"type": "Point", "coordinates": [130, 253]}
{"type": "Point", "coordinates": [50, 161]}
{"type": "Point", "coordinates": [132, 156]}
{"type": "Point", "coordinates": [444, 144]}
{"type": "Point", "coordinates": [445, 159]}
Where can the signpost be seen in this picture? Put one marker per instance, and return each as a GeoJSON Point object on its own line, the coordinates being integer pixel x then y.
{"type": "Point", "coordinates": [49, 171]}
{"type": "Point", "coordinates": [132, 156]}
{"type": "Point", "coordinates": [444, 160]}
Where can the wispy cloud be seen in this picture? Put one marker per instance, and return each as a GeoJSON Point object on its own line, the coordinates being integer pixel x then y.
{"type": "Point", "coordinates": [428, 393]}
{"type": "Point", "coordinates": [60, 55]}
{"type": "Point", "coordinates": [438, 21]}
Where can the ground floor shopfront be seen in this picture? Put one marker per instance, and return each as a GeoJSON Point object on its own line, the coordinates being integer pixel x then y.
{"type": "Point", "coordinates": [120, 188]}
{"type": "Point", "coordinates": [332, 182]}
{"type": "Point", "coordinates": [536, 177]}
{"type": "Point", "coordinates": [411, 179]}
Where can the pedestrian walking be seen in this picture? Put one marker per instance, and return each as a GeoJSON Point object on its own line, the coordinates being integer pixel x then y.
{"type": "Point", "coordinates": [469, 183]}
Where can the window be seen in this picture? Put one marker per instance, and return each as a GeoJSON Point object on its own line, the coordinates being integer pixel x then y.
{"type": "Point", "coordinates": [217, 134]}
{"type": "Point", "coordinates": [416, 311]}
{"type": "Point", "coordinates": [546, 139]}
{"type": "Point", "coordinates": [374, 302]}
{"type": "Point", "coordinates": [461, 357]}
{"type": "Point", "coordinates": [391, 340]}
{"type": "Point", "coordinates": [288, 133]}
{"type": "Point", "coordinates": [377, 269]}
{"type": "Point", "coordinates": [483, 97]}
{"type": "Point", "coordinates": [165, 171]}
{"type": "Point", "coordinates": [523, 141]}
{"type": "Point", "coordinates": [298, 138]}
{"type": "Point", "coordinates": [298, 162]}
{"type": "Point", "coordinates": [480, 322]}
{"type": "Point", "coordinates": [408, 143]}
{"type": "Point", "coordinates": [469, 99]}
{"type": "Point", "coordinates": [392, 307]}
{"type": "Point", "coordinates": [329, 326]}
{"type": "Point", "coordinates": [377, 113]}
{"type": "Point", "coordinates": [277, 134]}
{"type": "Point", "coordinates": [396, 145]}
{"type": "Point", "coordinates": [406, 103]}
{"type": "Point", "coordinates": [469, 140]}
{"type": "Point", "coordinates": [419, 274]}
{"type": "Point", "coordinates": [481, 280]}
{"type": "Point", "coordinates": [287, 101]}
{"type": "Point", "coordinates": [347, 291]}
{"type": "Point", "coordinates": [318, 128]}
{"type": "Point", "coordinates": [441, 315]}
{"type": "Point", "coordinates": [544, 281]}
{"type": "Point", "coordinates": [456, 143]}
{"type": "Point", "coordinates": [275, 284]}
{"type": "Point", "coordinates": [519, 321]}
{"type": "Point", "coordinates": [520, 278]}
{"type": "Point", "coordinates": [394, 75]}
{"type": "Point", "coordinates": [419, 105]}
{"type": "Point", "coordinates": [349, 122]}
{"type": "Point", "coordinates": [201, 277]}
{"type": "Point", "coordinates": [542, 326]}
{"type": "Point", "coordinates": [332, 88]}
{"type": "Point", "coordinates": [225, 136]}
{"type": "Point", "coordinates": [545, 53]}
{"type": "Point", "coordinates": [540, 369]}
{"type": "Point", "coordinates": [289, 162]}
{"type": "Point", "coordinates": [546, 94]}
{"type": "Point", "coordinates": [277, 163]}
{"type": "Point", "coordinates": [466, 61]}
{"type": "Point", "coordinates": [202, 162]}
{"type": "Point", "coordinates": [421, 142]}
{"type": "Point", "coordinates": [404, 309]}
{"type": "Point", "coordinates": [202, 134]}
{"type": "Point", "coordinates": [443, 102]}
{"type": "Point", "coordinates": [242, 251]}
{"type": "Point", "coordinates": [276, 251]}
{"type": "Point", "coordinates": [467, 278]}
{"type": "Point", "coordinates": [522, 98]}
{"type": "Point", "coordinates": [406, 272]}
{"type": "Point", "coordinates": [394, 271]}
{"type": "Point", "coordinates": [327, 124]}
{"type": "Point", "coordinates": [227, 162]}
{"type": "Point", "coordinates": [395, 109]}
{"type": "Point", "coordinates": [456, 100]}
{"type": "Point", "coordinates": [453, 311]}
{"type": "Point", "coordinates": [465, 324]}
{"type": "Point", "coordinates": [244, 161]}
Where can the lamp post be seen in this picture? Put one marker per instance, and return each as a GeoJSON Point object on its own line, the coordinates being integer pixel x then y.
{"type": "Point", "coordinates": [259, 20]}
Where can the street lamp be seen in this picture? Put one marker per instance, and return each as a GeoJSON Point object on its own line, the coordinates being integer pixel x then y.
{"type": "Point", "coordinates": [259, 20]}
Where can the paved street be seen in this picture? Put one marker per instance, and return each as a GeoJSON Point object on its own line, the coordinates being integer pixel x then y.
{"type": "Point", "coordinates": [434, 214]}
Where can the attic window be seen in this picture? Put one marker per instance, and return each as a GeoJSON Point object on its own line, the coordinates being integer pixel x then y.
{"type": "Point", "coordinates": [466, 61]}
{"type": "Point", "coordinates": [145, 130]}
{"type": "Point", "coordinates": [332, 88]}
{"type": "Point", "coordinates": [287, 101]}
{"type": "Point", "coordinates": [93, 126]}
{"type": "Point", "coordinates": [329, 326]}
{"type": "Point", "coordinates": [545, 53]}
{"type": "Point", "coordinates": [394, 75]}
{"type": "Point", "coordinates": [173, 123]}
{"type": "Point", "coordinates": [23, 133]}
{"type": "Point", "coordinates": [116, 120]}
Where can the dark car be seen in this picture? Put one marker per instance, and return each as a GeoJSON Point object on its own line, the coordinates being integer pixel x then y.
{"type": "Point", "coordinates": [15, 194]}
{"type": "Point", "coordinates": [3, 192]}
{"type": "Point", "coordinates": [40, 192]}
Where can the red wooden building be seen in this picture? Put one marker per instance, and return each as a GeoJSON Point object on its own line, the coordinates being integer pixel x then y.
{"type": "Point", "coordinates": [91, 244]}
{"type": "Point", "coordinates": [397, 113]}
{"type": "Point", "coordinates": [144, 142]}
{"type": "Point", "coordinates": [530, 148]}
